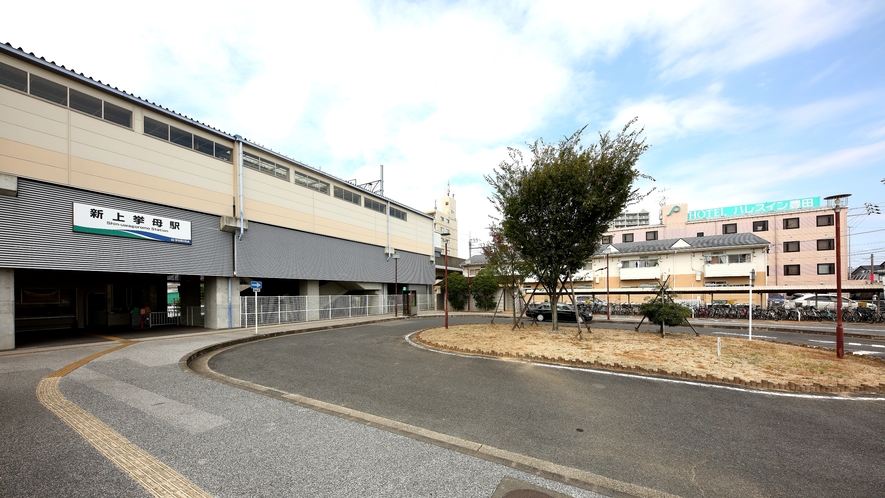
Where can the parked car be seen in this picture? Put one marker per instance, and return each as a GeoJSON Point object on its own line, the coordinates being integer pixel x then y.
{"type": "Point", "coordinates": [565, 313]}
{"type": "Point", "coordinates": [819, 301]}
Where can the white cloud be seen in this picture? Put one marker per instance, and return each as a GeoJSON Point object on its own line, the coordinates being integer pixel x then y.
{"type": "Point", "coordinates": [675, 118]}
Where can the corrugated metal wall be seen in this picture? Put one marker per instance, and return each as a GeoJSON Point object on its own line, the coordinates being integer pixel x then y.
{"type": "Point", "coordinates": [37, 232]}
{"type": "Point", "coordinates": [273, 252]}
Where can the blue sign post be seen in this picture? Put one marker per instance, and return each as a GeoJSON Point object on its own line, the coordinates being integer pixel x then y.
{"type": "Point", "coordinates": [256, 288]}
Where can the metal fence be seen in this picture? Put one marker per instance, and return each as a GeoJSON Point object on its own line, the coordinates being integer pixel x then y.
{"type": "Point", "coordinates": [270, 310]}
{"type": "Point", "coordinates": [191, 316]}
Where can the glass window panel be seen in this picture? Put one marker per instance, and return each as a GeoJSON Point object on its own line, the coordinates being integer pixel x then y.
{"type": "Point", "coordinates": [118, 115]}
{"type": "Point", "coordinates": [85, 103]}
{"type": "Point", "coordinates": [791, 246]}
{"type": "Point", "coordinates": [13, 77]}
{"type": "Point", "coordinates": [250, 161]}
{"type": "Point", "coordinates": [825, 220]}
{"type": "Point", "coordinates": [790, 223]}
{"type": "Point", "coordinates": [203, 145]}
{"type": "Point", "coordinates": [222, 152]}
{"type": "Point", "coordinates": [49, 90]}
{"type": "Point", "coordinates": [156, 128]}
{"type": "Point", "coordinates": [826, 245]}
{"type": "Point", "coordinates": [181, 137]}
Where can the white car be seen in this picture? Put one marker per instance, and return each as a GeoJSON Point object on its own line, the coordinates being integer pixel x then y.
{"type": "Point", "coordinates": [821, 302]}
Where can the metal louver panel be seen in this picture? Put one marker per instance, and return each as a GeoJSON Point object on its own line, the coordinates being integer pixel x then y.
{"type": "Point", "coordinates": [36, 228]}
{"type": "Point", "coordinates": [267, 251]}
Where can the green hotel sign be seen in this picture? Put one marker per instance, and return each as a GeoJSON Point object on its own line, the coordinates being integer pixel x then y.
{"type": "Point", "coordinates": [758, 208]}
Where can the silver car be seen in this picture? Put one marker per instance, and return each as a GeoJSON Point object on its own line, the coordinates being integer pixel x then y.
{"type": "Point", "coordinates": [819, 301]}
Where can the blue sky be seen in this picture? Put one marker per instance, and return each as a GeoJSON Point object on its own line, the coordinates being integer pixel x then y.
{"type": "Point", "coordinates": [742, 102]}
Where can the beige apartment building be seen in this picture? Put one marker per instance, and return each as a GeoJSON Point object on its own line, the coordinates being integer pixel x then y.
{"type": "Point", "coordinates": [800, 232]}
{"type": "Point", "coordinates": [106, 197]}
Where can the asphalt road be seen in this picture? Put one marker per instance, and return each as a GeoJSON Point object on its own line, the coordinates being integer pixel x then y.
{"type": "Point", "coordinates": [683, 438]}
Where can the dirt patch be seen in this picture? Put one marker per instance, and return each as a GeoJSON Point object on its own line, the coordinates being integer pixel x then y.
{"type": "Point", "coordinates": [755, 363]}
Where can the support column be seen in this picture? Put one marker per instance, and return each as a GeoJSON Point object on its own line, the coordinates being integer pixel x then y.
{"type": "Point", "coordinates": [7, 308]}
{"type": "Point", "coordinates": [222, 309]}
{"type": "Point", "coordinates": [311, 290]}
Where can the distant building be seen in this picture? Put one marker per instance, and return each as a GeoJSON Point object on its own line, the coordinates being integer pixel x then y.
{"type": "Point", "coordinates": [626, 220]}
{"type": "Point", "coordinates": [800, 234]}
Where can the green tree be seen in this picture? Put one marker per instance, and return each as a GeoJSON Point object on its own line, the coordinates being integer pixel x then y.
{"type": "Point", "coordinates": [457, 283]}
{"type": "Point", "coordinates": [663, 312]}
{"type": "Point", "coordinates": [555, 206]}
{"type": "Point", "coordinates": [483, 288]}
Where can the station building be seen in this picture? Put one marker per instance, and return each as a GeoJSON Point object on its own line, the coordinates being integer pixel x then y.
{"type": "Point", "coordinates": [106, 198]}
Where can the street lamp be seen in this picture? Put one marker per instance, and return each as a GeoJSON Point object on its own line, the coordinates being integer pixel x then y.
{"type": "Point", "coordinates": [395, 284]}
{"type": "Point", "coordinates": [444, 233]}
{"type": "Point", "coordinates": [840, 334]}
{"type": "Point", "coordinates": [750, 305]}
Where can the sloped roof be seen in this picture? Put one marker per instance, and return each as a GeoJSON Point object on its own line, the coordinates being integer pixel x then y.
{"type": "Point", "coordinates": [687, 244]}
{"type": "Point", "coordinates": [54, 67]}
{"type": "Point", "coordinates": [476, 259]}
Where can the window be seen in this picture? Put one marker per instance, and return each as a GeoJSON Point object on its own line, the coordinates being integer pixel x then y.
{"type": "Point", "coordinates": [85, 103]}
{"type": "Point", "coordinates": [826, 268]}
{"type": "Point", "coordinates": [607, 239]}
{"type": "Point", "coordinates": [791, 246]}
{"type": "Point", "coordinates": [730, 228]}
{"type": "Point", "coordinates": [156, 128]}
{"type": "Point", "coordinates": [825, 220]}
{"type": "Point", "coordinates": [398, 214]}
{"type": "Point", "coordinates": [760, 226]}
{"type": "Point", "coordinates": [181, 137]}
{"type": "Point", "coordinates": [791, 269]}
{"type": "Point", "coordinates": [826, 244]}
{"type": "Point", "coordinates": [791, 223]}
{"type": "Point", "coordinates": [163, 131]}
{"type": "Point", "coordinates": [375, 205]}
{"type": "Point", "coordinates": [13, 77]}
{"type": "Point", "coordinates": [204, 145]}
{"type": "Point", "coordinates": [49, 90]}
{"type": "Point", "coordinates": [653, 235]}
{"type": "Point", "coordinates": [252, 161]}
{"type": "Point", "coordinates": [222, 152]}
{"type": "Point", "coordinates": [700, 234]}
{"type": "Point", "coordinates": [627, 237]}
{"type": "Point", "coordinates": [310, 182]}
{"type": "Point", "coordinates": [346, 195]}
{"type": "Point", "coordinates": [118, 115]}
{"type": "Point", "coordinates": [719, 258]}
{"type": "Point", "coordinates": [647, 262]}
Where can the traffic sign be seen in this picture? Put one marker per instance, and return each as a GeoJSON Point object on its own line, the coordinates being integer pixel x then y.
{"type": "Point", "coordinates": [256, 285]}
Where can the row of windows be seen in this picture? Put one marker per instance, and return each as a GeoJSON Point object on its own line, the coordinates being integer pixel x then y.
{"type": "Point", "coordinates": [628, 237]}
{"type": "Point", "coordinates": [169, 133]}
{"type": "Point", "coordinates": [823, 220]}
{"type": "Point", "coordinates": [347, 195]}
{"type": "Point", "coordinates": [396, 213]}
{"type": "Point", "coordinates": [21, 80]}
{"type": "Point", "coordinates": [311, 183]}
{"type": "Point", "coordinates": [375, 206]}
{"type": "Point", "coordinates": [261, 164]}
{"type": "Point", "coordinates": [822, 269]}
{"type": "Point", "coordinates": [822, 245]}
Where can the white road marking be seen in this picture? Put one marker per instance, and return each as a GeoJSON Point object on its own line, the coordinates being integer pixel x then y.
{"type": "Point", "coordinates": [643, 377]}
{"type": "Point", "coordinates": [757, 336]}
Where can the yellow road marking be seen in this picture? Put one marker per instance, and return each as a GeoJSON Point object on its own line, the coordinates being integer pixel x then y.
{"type": "Point", "coordinates": [150, 473]}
